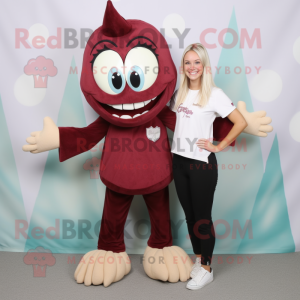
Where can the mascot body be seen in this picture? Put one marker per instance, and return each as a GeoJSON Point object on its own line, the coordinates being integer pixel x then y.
{"type": "Point", "coordinates": [128, 77]}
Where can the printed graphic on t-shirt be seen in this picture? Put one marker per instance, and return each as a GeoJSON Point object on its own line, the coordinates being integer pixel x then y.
{"type": "Point", "coordinates": [186, 112]}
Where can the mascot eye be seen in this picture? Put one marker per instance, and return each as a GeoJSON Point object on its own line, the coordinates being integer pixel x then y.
{"type": "Point", "coordinates": [136, 78]}
{"type": "Point", "coordinates": [116, 80]}
{"type": "Point", "coordinates": [141, 67]}
{"type": "Point", "coordinates": [108, 72]}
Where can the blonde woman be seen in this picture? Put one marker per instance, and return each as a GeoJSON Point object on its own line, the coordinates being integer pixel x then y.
{"type": "Point", "coordinates": [197, 103]}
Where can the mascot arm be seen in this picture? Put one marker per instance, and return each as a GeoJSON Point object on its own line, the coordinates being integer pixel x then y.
{"type": "Point", "coordinates": [74, 141]}
{"type": "Point", "coordinates": [168, 117]}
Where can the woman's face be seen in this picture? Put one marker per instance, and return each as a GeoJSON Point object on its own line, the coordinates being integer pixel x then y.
{"type": "Point", "coordinates": [193, 67]}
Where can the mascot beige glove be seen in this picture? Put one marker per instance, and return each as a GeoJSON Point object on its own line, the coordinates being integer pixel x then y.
{"type": "Point", "coordinates": [44, 140]}
{"type": "Point", "coordinates": [257, 122]}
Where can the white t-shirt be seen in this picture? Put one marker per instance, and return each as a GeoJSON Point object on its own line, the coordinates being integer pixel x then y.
{"type": "Point", "coordinates": [194, 122]}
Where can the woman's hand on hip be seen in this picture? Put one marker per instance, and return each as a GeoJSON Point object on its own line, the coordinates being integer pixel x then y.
{"type": "Point", "coordinates": [207, 145]}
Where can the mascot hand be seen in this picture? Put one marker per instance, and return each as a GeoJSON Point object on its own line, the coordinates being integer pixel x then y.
{"type": "Point", "coordinates": [102, 267]}
{"type": "Point", "coordinates": [168, 264]}
{"type": "Point", "coordinates": [257, 122]}
{"type": "Point", "coordinates": [44, 140]}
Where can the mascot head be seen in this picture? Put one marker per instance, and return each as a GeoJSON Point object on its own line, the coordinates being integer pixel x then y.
{"type": "Point", "coordinates": [128, 75]}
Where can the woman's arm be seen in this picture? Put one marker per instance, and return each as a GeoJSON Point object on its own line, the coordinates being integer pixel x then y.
{"type": "Point", "coordinates": [221, 128]}
{"type": "Point", "coordinates": [239, 124]}
{"type": "Point", "coordinates": [224, 107]}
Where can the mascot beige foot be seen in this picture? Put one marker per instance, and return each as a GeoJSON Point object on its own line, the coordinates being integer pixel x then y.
{"type": "Point", "coordinates": [102, 267]}
{"type": "Point", "coordinates": [168, 264]}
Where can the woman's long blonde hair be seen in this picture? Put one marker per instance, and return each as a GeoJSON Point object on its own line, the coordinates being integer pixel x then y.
{"type": "Point", "coordinates": [207, 82]}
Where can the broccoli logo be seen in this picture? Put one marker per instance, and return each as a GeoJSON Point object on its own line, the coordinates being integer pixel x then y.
{"type": "Point", "coordinates": [39, 258]}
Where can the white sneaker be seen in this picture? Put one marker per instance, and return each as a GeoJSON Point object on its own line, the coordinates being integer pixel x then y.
{"type": "Point", "coordinates": [196, 267]}
{"type": "Point", "coordinates": [202, 278]}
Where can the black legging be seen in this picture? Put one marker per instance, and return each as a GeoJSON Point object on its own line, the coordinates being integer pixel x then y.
{"type": "Point", "coordinates": [195, 183]}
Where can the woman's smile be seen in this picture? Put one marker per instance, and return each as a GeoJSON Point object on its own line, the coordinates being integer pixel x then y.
{"type": "Point", "coordinates": [193, 67]}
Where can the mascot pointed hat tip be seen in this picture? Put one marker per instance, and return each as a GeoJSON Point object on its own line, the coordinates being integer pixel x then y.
{"type": "Point", "coordinates": [114, 24]}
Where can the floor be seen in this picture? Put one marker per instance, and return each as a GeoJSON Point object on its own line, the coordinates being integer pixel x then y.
{"type": "Point", "coordinates": [259, 276]}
